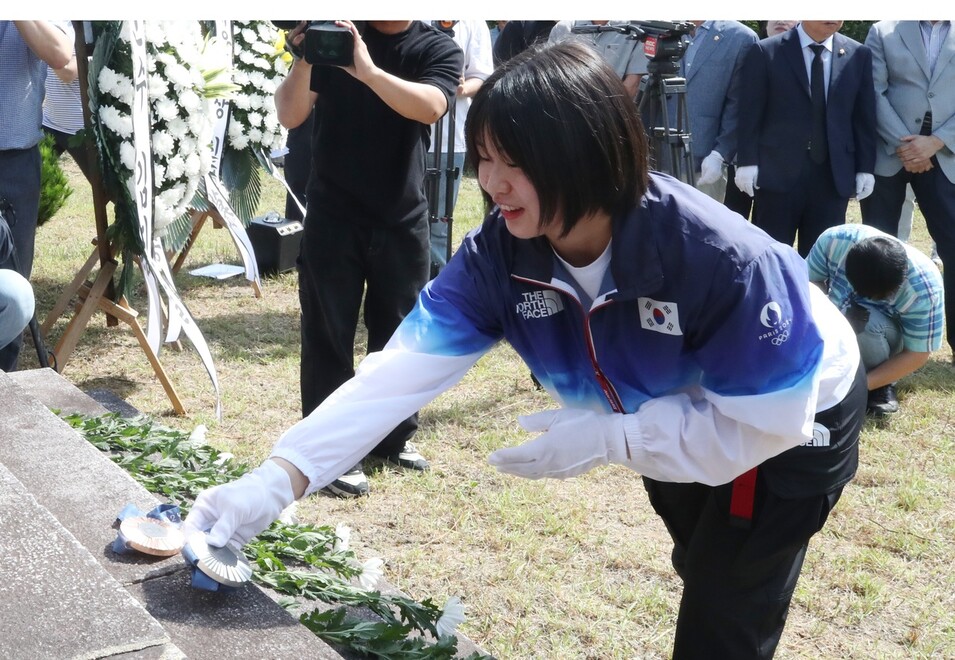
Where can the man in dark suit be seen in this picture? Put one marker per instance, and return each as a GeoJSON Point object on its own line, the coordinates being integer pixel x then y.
{"type": "Point", "coordinates": [914, 74]}
{"type": "Point", "coordinates": [806, 130]}
{"type": "Point", "coordinates": [712, 101]}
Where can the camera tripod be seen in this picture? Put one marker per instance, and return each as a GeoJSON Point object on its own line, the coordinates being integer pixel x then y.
{"type": "Point", "coordinates": [433, 175]}
{"type": "Point", "coordinates": [662, 105]}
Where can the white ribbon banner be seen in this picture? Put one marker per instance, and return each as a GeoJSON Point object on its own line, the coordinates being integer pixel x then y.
{"type": "Point", "coordinates": [154, 264]}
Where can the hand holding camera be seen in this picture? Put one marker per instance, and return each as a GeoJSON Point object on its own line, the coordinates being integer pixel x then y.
{"type": "Point", "coordinates": [330, 43]}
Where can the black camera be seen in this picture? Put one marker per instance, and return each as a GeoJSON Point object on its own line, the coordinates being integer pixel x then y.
{"type": "Point", "coordinates": [325, 42]}
{"type": "Point", "coordinates": [664, 42]}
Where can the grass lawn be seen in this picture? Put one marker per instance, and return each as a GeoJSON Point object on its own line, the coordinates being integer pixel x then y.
{"type": "Point", "coordinates": [549, 569]}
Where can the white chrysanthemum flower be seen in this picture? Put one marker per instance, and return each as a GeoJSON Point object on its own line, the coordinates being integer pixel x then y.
{"type": "Point", "coordinates": [158, 86]}
{"type": "Point", "coordinates": [246, 56]}
{"type": "Point", "coordinates": [175, 167]}
{"type": "Point", "coordinates": [249, 36]}
{"type": "Point", "coordinates": [115, 121]}
{"type": "Point", "coordinates": [192, 164]}
{"type": "Point", "coordinates": [124, 89]}
{"type": "Point", "coordinates": [163, 144]}
{"type": "Point", "coordinates": [189, 100]}
{"type": "Point", "coordinates": [107, 81]}
{"type": "Point", "coordinates": [127, 155]}
{"type": "Point", "coordinates": [342, 537]}
{"type": "Point", "coordinates": [240, 142]}
{"type": "Point", "coordinates": [166, 109]}
{"type": "Point", "coordinates": [177, 127]}
{"type": "Point", "coordinates": [371, 573]}
{"type": "Point", "coordinates": [451, 617]}
{"type": "Point", "coordinates": [188, 144]}
{"type": "Point", "coordinates": [254, 118]}
{"type": "Point", "coordinates": [255, 135]}
{"type": "Point", "coordinates": [257, 79]}
{"type": "Point", "coordinates": [256, 101]}
{"type": "Point", "coordinates": [263, 48]}
{"type": "Point", "coordinates": [241, 101]}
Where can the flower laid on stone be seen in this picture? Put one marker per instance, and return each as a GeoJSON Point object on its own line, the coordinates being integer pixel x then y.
{"type": "Point", "coordinates": [451, 617]}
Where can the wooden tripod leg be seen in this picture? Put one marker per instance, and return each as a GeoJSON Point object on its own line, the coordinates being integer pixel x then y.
{"type": "Point", "coordinates": [67, 343]}
{"type": "Point", "coordinates": [64, 300]}
{"type": "Point", "coordinates": [130, 317]}
{"type": "Point", "coordinates": [197, 224]}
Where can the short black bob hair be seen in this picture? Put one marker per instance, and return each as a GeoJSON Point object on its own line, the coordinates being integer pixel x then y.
{"type": "Point", "coordinates": [561, 114]}
{"type": "Point", "coordinates": [876, 266]}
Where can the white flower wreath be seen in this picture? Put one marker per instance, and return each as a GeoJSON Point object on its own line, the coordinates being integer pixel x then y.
{"type": "Point", "coordinates": [259, 65]}
{"type": "Point", "coordinates": [180, 85]}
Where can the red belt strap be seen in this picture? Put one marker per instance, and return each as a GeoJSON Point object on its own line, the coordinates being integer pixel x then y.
{"type": "Point", "coordinates": [742, 499]}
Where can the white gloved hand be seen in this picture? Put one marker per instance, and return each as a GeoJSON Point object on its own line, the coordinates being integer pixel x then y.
{"type": "Point", "coordinates": [865, 184]}
{"type": "Point", "coordinates": [572, 442]}
{"type": "Point", "coordinates": [711, 169]}
{"type": "Point", "coordinates": [235, 512]}
{"type": "Point", "coordinates": [746, 179]}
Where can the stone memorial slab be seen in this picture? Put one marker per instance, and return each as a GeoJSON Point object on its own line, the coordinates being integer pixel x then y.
{"type": "Point", "coordinates": [58, 602]}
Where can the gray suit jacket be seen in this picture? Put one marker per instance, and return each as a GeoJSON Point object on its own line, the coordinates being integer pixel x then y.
{"type": "Point", "coordinates": [905, 89]}
{"type": "Point", "coordinates": [711, 97]}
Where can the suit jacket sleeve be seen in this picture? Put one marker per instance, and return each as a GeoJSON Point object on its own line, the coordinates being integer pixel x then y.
{"type": "Point", "coordinates": [864, 117]}
{"type": "Point", "coordinates": [726, 141]}
{"type": "Point", "coordinates": [890, 126]}
{"type": "Point", "coordinates": [753, 85]}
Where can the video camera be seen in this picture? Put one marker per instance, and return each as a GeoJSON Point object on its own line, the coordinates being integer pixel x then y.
{"type": "Point", "coordinates": [663, 41]}
{"type": "Point", "coordinates": [325, 43]}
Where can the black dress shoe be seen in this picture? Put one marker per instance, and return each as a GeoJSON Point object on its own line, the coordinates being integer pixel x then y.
{"type": "Point", "coordinates": [883, 401]}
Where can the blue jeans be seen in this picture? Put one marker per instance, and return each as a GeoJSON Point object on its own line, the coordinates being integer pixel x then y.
{"type": "Point", "coordinates": [880, 340]}
{"type": "Point", "coordinates": [16, 305]}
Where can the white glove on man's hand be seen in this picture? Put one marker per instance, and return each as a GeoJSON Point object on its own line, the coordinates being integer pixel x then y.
{"type": "Point", "coordinates": [865, 183]}
{"type": "Point", "coordinates": [711, 169]}
{"type": "Point", "coordinates": [572, 441]}
{"type": "Point", "coordinates": [746, 179]}
{"type": "Point", "coordinates": [235, 512]}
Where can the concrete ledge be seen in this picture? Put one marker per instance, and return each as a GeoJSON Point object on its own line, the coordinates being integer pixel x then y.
{"type": "Point", "coordinates": [58, 601]}
{"type": "Point", "coordinates": [83, 491]}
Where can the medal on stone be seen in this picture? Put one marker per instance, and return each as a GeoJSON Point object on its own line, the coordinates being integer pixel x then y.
{"type": "Point", "coordinates": [223, 565]}
{"type": "Point", "coordinates": [152, 536]}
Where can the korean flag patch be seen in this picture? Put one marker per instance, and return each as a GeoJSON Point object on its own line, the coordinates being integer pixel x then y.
{"type": "Point", "coordinates": [659, 316]}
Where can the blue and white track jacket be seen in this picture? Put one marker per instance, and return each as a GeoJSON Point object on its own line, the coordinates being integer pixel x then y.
{"type": "Point", "coordinates": [707, 331]}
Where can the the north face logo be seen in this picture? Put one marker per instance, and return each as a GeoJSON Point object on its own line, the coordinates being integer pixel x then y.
{"type": "Point", "coordinates": [540, 304]}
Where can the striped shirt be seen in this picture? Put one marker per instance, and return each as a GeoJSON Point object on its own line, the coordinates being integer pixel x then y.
{"type": "Point", "coordinates": [933, 36]}
{"type": "Point", "coordinates": [22, 85]}
{"type": "Point", "coordinates": [918, 305]}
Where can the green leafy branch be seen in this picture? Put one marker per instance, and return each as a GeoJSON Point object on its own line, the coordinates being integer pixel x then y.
{"type": "Point", "coordinates": [168, 462]}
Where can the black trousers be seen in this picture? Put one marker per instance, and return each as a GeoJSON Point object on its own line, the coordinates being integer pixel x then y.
{"type": "Point", "coordinates": [808, 208]}
{"type": "Point", "coordinates": [340, 262]}
{"type": "Point", "coordinates": [738, 583]}
{"type": "Point", "coordinates": [935, 195]}
{"type": "Point", "coordinates": [20, 184]}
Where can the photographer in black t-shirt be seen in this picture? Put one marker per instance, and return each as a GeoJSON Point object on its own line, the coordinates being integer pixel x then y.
{"type": "Point", "coordinates": [366, 228]}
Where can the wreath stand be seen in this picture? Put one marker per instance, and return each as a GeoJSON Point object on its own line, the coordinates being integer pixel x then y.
{"type": "Point", "coordinates": [100, 294]}
{"type": "Point", "coordinates": [198, 222]}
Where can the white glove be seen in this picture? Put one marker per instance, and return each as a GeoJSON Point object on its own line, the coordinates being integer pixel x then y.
{"type": "Point", "coordinates": [711, 169]}
{"type": "Point", "coordinates": [235, 512]}
{"type": "Point", "coordinates": [572, 441]}
{"type": "Point", "coordinates": [746, 179]}
{"type": "Point", "coordinates": [865, 183]}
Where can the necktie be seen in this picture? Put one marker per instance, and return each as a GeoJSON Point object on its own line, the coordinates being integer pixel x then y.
{"type": "Point", "coordinates": [818, 143]}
